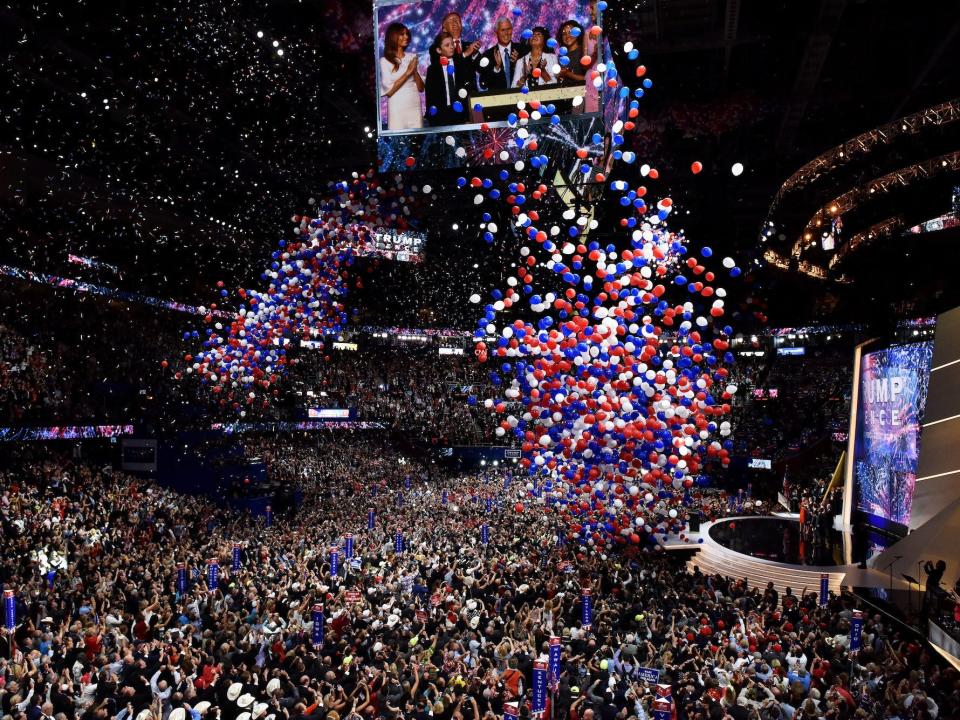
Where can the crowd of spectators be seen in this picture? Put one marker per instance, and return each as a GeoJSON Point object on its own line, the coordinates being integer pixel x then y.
{"type": "Point", "coordinates": [799, 402]}
{"type": "Point", "coordinates": [448, 628]}
{"type": "Point", "coordinates": [66, 359]}
{"type": "Point", "coordinates": [410, 387]}
{"type": "Point", "coordinates": [82, 371]}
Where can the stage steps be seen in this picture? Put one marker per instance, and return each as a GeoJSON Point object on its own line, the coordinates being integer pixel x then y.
{"type": "Point", "coordinates": [714, 559]}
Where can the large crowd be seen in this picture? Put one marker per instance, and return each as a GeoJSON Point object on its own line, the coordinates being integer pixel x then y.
{"type": "Point", "coordinates": [791, 404]}
{"type": "Point", "coordinates": [447, 628]}
{"type": "Point", "coordinates": [407, 386]}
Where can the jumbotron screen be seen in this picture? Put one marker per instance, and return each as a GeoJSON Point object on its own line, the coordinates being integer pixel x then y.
{"type": "Point", "coordinates": [443, 64]}
{"type": "Point", "coordinates": [893, 395]}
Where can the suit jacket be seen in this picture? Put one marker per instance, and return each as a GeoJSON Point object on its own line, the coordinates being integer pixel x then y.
{"type": "Point", "coordinates": [436, 94]}
{"type": "Point", "coordinates": [466, 66]}
{"type": "Point", "coordinates": [493, 79]}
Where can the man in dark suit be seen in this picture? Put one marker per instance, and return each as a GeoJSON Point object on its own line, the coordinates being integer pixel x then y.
{"type": "Point", "coordinates": [466, 52]}
{"type": "Point", "coordinates": [444, 82]}
{"type": "Point", "coordinates": [497, 72]}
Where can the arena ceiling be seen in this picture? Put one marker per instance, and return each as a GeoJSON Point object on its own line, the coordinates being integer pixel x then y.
{"type": "Point", "coordinates": [173, 142]}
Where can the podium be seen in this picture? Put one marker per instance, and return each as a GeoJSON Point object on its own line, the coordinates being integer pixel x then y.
{"type": "Point", "coordinates": [503, 102]}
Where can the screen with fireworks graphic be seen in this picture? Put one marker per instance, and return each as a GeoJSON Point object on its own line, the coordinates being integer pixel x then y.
{"type": "Point", "coordinates": [456, 64]}
{"type": "Point", "coordinates": [893, 395]}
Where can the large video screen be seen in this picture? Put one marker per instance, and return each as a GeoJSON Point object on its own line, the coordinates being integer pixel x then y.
{"type": "Point", "coordinates": [893, 395]}
{"type": "Point", "coordinates": [450, 64]}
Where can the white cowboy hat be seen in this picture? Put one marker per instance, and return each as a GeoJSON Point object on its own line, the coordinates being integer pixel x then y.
{"type": "Point", "coordinates": [243, 716]}
{"type": "Point", "coordinates": [245, 700]}
{"type": "Point", "coordinates": [273, 686]}
{"type": "Point", "coordinates": [177, 714]}
{"type": "Point", "coordinates": [259, 709]}
{"type": "Point", "coordinates": [202, 706]}
{"type": "Point", "coordinates": [393, 620]}
{"type": "Point", "coordinates": [233, 692]}
{"type": "Point", "coordinates": [144, 714]}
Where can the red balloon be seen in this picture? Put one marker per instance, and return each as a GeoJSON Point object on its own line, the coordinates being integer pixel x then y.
{"type": "Point", "coordinates": [696, 167]}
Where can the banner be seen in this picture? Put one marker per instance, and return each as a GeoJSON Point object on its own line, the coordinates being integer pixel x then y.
{"type": "Point", "coordinates": [824, 589]}
{"type": "Point", "coordinates": [213, 574]}
{"type": "Point", "coordinates": [443, 497]}
{"type": "Point", "coordinates": [316, 635]}
{"type": "Point", "coordinates": [586, 613]}
{"type": "Point", "coordinates": [269, 516]}
{"type": "Point", "coordinates": [856, 630]}
{"type": "Point", "coordinates": [484, 534]}
{"type": "Point", "coordinates": [371, 519]}
{"type": "Point", "coordinates": [511, 711]}
{"type": "Point", "coordinates": [182, 578]}
{"type": "Point", "coordinates": [489, 505]}
{"type": "Point", "coordinates": [555, 650]}
{"type": "Point", "coordinates": [63, 432]}
{"type": "Point", "coordinates": [661, 709]}
{"type": "Point", "coordinates": [334, 561]}
{"type": "Point", "coordinates": [398, 543]}
{"type": "Point", "coordinates": [649, 675]}
{"type": "Point", "coordinates": [348, 546]}
{"type": "Point", "coordinates": [538, 705]}
{"type": "Point", "coordinates": [9, 609]}
{"type": "Point", "coordinates": [235, 567]}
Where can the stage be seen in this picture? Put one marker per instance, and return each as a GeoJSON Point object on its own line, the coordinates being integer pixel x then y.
{"type": "Point", "coordinates": [768, 549]}
{"type": "Point", "coordinates": [777, 539]}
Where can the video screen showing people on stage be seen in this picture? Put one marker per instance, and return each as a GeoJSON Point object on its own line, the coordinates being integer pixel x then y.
{"type": "Point", "coordinates": [892, 399]}
{"type": "Point", "coordinates": [443, 64]}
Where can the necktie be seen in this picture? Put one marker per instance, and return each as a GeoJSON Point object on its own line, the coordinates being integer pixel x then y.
{"type": "Point", "coordinates": [506, 64]}
{"type": "Point", "coordinates": [459, 49]}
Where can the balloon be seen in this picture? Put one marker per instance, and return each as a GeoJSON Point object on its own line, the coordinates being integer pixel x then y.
{"type": "Point", "coordinates": [613, 374]}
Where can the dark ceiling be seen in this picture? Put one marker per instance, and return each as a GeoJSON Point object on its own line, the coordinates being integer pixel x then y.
{"type": "Point", "coordinates": [170, 140]}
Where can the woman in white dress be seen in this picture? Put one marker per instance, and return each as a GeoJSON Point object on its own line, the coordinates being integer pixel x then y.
{"type": "Point", "coordinates": [536, 59]}
{"type": "Point", "coordinates": [400, 80]}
